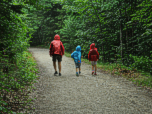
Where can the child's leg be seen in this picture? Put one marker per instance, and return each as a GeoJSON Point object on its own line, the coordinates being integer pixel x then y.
{"type": "Point", "coordinates": [95, 68]}
{"type": "Point", "coordinates": [77, 74]}
{"type": "Point", "coordinates": [79, 69]}
{"type": "Point", "coordinates": [76, 69]}
{"type": "Point", "coordinates": [92, 67]}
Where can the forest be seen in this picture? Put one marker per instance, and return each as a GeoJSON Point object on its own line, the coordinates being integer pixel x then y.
{"type": "Point", "coordinates": [120, 29]}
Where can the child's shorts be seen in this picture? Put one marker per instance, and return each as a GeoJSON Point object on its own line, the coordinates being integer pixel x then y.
{"type": "Point", "coordinates": [93, 62]}
{"type": "Point", "coordinates": [77, 65]}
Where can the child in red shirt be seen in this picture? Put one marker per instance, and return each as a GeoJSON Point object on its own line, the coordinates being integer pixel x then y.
{"type": "Point", "coordinates": [93, 56]}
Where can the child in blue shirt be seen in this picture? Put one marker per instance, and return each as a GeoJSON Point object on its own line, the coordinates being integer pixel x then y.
{"type": "Point", "coordinates": [76, 55]}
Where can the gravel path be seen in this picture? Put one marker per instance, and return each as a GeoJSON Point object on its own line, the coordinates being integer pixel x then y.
{"type": "Point", "coordinates": [86, 94]}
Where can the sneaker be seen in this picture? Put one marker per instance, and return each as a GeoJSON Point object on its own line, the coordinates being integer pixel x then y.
{"type": "Point", "coordinates": [95, 73]}
{"type": "Point", "coordinates": [59, 74]}
{"type": "Point", "coordinates": [55, 73]}
{"type": "Point", "coordinates": [92, 72]}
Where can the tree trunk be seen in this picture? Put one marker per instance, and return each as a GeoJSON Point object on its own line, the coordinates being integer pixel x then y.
{"type": "Point", "coordinates": [126, 45]}
{"type": "Point", "coordinates": [39, 38]}
{"type": "Point", "coordinates": [121, 37]}
{"type": "Point", "coordinates": [132, 34]}
{"type": "Point", "coordinates": [103, 53]}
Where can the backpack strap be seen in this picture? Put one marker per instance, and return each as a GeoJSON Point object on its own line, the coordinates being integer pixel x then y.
{"type": "Point", "coordinates": [60, 47]}
{"type": "Point", "coordinates": [52, 48]}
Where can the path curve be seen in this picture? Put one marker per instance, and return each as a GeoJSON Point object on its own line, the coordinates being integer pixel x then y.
{"type": "Point", "coordinates": [68, 94]}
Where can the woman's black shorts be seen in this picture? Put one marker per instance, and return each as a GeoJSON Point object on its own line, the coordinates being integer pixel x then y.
{"type": "Point", "coordinates": [58, 57]}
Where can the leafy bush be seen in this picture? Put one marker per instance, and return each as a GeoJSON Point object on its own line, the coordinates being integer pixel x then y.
{"type": "Point", "coordinates": [142, 63]}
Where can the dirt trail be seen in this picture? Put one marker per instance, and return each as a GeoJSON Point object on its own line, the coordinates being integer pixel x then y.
{"type": "Point", "coordinates": [68, 94]}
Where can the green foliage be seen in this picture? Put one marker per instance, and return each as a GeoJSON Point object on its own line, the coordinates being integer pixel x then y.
{"type": "Point", "coordinates": [143, 63]}
{"type": "Point", "coordinates": [17, 70]}
{"type": "Point", "coordinates": [118, 28]}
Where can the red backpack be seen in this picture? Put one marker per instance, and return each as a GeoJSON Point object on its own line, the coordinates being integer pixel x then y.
{"type": "Point", "coordinates": [56, 47]}
{"type": "Point", "coordinates": [93, 55]}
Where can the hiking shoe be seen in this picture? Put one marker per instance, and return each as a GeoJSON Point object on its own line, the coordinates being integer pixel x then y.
{"type": "Point", "coordinates": [55, 73]}
{"type": "Point", "coordinates": [59, 74]}
{"type": "Point", "coordinates": [92, 72]}
{"type": "Point", "coordinates": [95, 73]}
{"type": "Point", "coordinates": [77, 74]}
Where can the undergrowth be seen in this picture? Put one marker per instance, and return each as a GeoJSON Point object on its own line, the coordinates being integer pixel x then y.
{"type": "Point", "coordinates": [17, 82]}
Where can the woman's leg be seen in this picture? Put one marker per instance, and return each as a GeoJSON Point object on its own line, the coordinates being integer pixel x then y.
{"type": "Point", "coordinates": [59, 65]}
{"type": "Point", "coordinates": [54, 64]}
